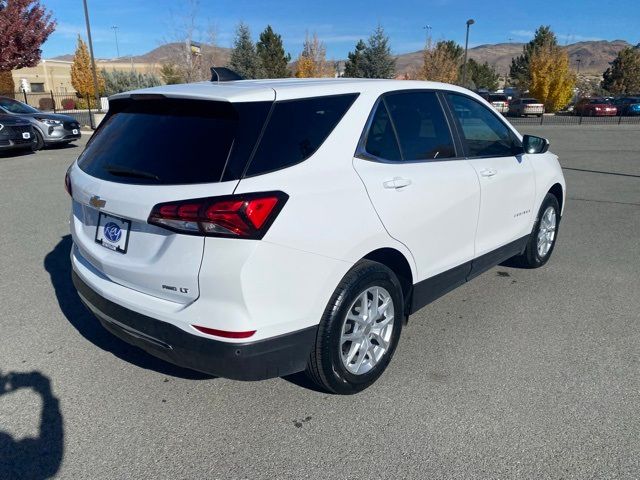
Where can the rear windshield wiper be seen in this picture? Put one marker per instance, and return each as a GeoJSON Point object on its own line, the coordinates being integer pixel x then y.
{"type": "Point", "coordinates": [121, 171]}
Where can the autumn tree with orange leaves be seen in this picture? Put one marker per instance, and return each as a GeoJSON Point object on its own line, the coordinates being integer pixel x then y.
{"type": "Point", "coordinates": [312, 62]}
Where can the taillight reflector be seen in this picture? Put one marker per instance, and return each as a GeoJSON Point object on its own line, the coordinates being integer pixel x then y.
{"type": "Point", "coordinates": [236, 216]}
{"type": "Point", "coordinates": [223, 333]}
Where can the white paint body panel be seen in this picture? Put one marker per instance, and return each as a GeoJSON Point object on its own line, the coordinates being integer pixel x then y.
{"type": "Point", "coordinates": [283, 282]}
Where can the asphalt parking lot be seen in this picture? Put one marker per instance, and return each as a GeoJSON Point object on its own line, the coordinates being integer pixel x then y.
{"type": "Point", "coordinates": [518, 374]}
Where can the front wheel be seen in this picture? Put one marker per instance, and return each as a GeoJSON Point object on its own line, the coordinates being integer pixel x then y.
{"type": "Point", "coordinates": [39, 143]}
{"type": "Point", "coordinates": [359, 330]}
{"type": "Point", "coordinates": [543, 238]}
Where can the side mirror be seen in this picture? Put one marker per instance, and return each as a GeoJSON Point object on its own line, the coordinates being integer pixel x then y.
{"type": "Point", "coordinates": [533, 144]}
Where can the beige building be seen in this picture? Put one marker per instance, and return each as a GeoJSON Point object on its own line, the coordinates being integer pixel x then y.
{"type": "Point", "coordinates": [55, 75]}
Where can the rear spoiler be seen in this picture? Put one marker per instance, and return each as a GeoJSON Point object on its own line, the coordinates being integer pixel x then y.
{"type": "Point", "coordinates": [223, 74]}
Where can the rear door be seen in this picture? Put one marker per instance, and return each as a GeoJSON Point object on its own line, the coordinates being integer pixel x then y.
{"type": "Point", "coordinates": [505, 174]}
{"type": "Point", "coordinates": [426, 195]}
{"type": "Point", "coordinates": [150, 151]}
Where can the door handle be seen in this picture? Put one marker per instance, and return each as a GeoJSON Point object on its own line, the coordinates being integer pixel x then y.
{"type": "Point", "coordinates": [488, 172]}
{"type": "Point", "coordinates": [397, 183]}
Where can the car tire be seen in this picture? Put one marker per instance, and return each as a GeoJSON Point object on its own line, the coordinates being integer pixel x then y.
{"type": "Point", "coordinates": [39, 144]}
{"type": "Point", "coordinates": [543, 238]}
{"type": "Point", "coordinates": [349, 354]}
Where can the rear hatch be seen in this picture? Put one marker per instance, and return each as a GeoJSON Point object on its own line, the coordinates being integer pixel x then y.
{"type": "Point", "coordinates": [151, 149]}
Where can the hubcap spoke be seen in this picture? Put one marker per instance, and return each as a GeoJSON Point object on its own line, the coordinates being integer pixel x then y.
{"type": "Point", "coordinates": [546, 231]}
{"type": "Point", "coordinates": [366, 331]}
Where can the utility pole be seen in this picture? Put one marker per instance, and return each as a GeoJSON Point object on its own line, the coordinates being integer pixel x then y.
{"type": "Point", "coordinates": [470, 22]}
{"type": "Point", "coordinates": [428, 29]}
{"type": "Point", "coordinates": [93, 60]}
{"type": "Point", "coordinates": [578, 60]}
{"type": "Point", "coordinates": [115, 32]}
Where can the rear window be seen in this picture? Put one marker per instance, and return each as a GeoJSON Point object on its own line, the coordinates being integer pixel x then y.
{"type": "Point", "coordinates": [497, 98]}
{"type": "Point", "coordinates": [528, 101]}
{"type": "Point", "coordinates": [174, 141]}
{"type": "Point", "coordinates": [296, 129]}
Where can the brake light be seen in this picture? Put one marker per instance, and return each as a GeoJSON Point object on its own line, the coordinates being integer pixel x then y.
{"type": "Point", "coordinates": [234, 216]}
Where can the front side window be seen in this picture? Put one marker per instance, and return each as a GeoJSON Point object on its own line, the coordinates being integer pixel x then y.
{"type": "Point", "coordinates": [483, 133]}
{"type": "Point", "coordinates": [422, 128]}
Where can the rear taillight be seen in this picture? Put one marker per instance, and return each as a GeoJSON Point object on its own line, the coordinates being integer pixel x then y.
{"type": "Point", "coordinates": [236, 216]}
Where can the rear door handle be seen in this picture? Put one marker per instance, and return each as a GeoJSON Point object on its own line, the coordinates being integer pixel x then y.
{"type": "Point", "coordinates": [397, 182]}
{"type": "Point", "coordinates": [488, 172]}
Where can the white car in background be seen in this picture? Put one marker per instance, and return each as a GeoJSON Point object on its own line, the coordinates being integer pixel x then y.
{"type": "Point", "coordinates": [253, 229]}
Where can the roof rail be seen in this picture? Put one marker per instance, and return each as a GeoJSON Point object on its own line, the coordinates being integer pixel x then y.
{"type": "Point", "coordinates": [223, 74]}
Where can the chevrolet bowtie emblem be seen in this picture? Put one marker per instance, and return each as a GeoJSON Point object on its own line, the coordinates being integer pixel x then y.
{"type": "Point", "coordinates": [97, 202]}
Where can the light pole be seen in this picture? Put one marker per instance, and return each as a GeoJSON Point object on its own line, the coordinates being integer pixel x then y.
{"type": "Point", "coordinates": [428, 29]}
{"type": "Point", "coordinates": [115, 32]}
{"type": "Point", "coordinates": [93, 60]}
{"type": "Point", "coordinates": [470, 22]}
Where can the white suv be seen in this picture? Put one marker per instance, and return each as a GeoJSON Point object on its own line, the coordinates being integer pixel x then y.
{"type": "Point", "coordinates": [253, 229]}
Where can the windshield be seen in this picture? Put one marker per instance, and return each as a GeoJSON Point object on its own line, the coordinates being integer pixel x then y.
{"type": "Point", "coordinates": [13, 106]}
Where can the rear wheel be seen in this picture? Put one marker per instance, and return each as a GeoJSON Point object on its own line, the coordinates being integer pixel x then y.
{"type": "Point", "coordinates": [359, 330]}
{"type": "Point", "coordinates": [543, 238]}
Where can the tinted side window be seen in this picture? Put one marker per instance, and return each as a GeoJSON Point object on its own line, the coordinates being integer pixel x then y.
{"type": "Point", "coordinates": [296, 129]}
{"type": "Point", "coordinates": [422, 128]}
{"type": "Point", "coordinates": [483, 133]}
{"type": "Point", "coordinates": [381, 139]}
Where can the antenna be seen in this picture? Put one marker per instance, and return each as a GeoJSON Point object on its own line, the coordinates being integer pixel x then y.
{"type": "Point", "coordinates": [223, 74]}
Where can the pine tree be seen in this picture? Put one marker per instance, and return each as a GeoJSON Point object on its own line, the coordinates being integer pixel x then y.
{"type": "Point", "coordinates": [312, 62]}
{"type": "Point", "coordinates": [273, 60]}
{"type": "Point", "coordinates": [353, 67]}
{"type": "Point", "coordinates": [170, 74]}
{"type": "Point", "coordinates": [117, 81]}
{"type": "Point", "coordinates": [519, 71]}
{"type": "Point", "coordinates": [482, 75]}
{"type": "Point", "coordinates": [81, 75]}
{"type": "Point", "coordinates": [24, 26]}
{"type": "Point", "coordinates": [552, 81]}
{"type": "Point", "coordinates": [623, 76]}
{"type": "Point", "coordinates": [244, 59]}
{"type": "Point", "coordinates": [378, 61]}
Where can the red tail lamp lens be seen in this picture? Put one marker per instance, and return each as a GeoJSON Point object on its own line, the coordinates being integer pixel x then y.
{"type": "Point", "coordinates": [237, 216]}
{"type": "Point", "coordinates": [223, 333]}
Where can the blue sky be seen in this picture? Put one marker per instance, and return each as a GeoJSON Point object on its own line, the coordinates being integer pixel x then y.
{"type": "Point", "coordinates": [143, 25]}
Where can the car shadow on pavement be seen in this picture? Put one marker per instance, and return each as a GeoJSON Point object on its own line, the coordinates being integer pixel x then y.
{"type": "Point", "coordinates": [58, 264]}
{"type": "Point", "coordinates": [39, 457]}
{"type": "Point", "coordinates": [62, 146]}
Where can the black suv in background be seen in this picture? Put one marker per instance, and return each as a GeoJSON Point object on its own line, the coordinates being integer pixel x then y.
{"type": "Point", "coordinates": [16, 133]}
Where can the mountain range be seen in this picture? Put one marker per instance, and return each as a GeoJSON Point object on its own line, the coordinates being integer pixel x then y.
{"type": "Point", "coordinates": [592, 57]}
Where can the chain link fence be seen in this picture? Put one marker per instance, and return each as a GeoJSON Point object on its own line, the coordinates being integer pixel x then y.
{"type": "Point", "coordinates": [82, 108]}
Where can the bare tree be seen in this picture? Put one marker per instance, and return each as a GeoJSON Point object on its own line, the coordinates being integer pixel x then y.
{"type": "Point", "coordinates": [192, 50]}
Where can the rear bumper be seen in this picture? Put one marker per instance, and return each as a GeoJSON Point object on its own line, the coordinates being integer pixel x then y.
{"type": "Point", "coordinates": [268, 358]}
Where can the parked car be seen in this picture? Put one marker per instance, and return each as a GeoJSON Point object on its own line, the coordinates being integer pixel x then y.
{"type": "Point", "coordinates": [16, 134]}
{"type": "Point", "coordinates": [499, 101]}
{"type": "Point", "coordinates": [627, 106]}
{"type": "Point", "coordinates": [594, 107]}
{"type": "Point", "coordinates": [525, 107]}
{"type": "Point", "coordinates": [49, 128]}
{"type": "Point", "coordinates": [268, 247]}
